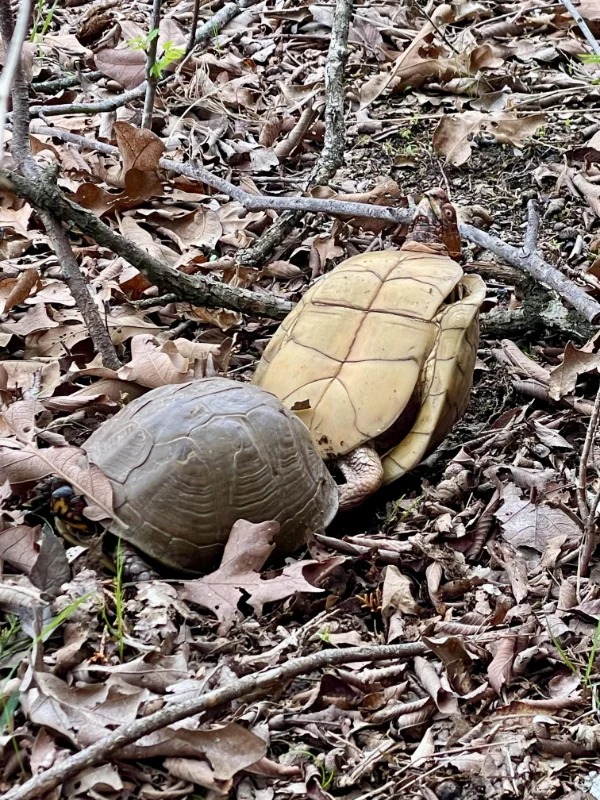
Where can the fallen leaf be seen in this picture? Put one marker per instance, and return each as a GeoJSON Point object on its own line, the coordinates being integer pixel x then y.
{"type": "Point", "coordinates": [526, 524]}
{"type": "Point", "coordinates": [248, 547]}
{"type": "Point", "coordinates": [454, 134]}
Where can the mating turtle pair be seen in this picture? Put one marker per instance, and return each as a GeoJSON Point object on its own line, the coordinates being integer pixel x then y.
{"type": "Point", "coordinates": [376, 360]}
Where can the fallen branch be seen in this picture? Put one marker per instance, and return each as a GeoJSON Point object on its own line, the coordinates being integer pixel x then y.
{"type": "Point", "coordinates": [201, 290]}
{"type": "Point", "coordinates": [534, 265]}
{"type": "Point", "coordinates": [530, 263]}
{"type": "Point", "coordinates": [583, 27]}
{"type": "Point", "coordinates": [251, 202]}
{"type": "Point", "coordinates": [331, 156]}
{"type": "Point", "coordinates": [587, 510]}
{"type": "Point", "coordinates": [257, 683]}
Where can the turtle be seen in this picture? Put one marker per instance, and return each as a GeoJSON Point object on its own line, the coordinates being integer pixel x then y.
{"type": "Point", "coordinates": [377, 358]}
{"type": "Point", "coordinates": [186, 461]}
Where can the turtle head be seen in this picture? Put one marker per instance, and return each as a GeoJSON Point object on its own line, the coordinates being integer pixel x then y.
{"type": "Point", "coordinates": [434, 222]}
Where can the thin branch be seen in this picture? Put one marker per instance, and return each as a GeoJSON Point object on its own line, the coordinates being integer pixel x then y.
{"type": "Point", "coordinates": [332, 155]}
{"type": "Point", "coordinates": [531, 263]}
{"type": "Point", "coordinates": [257, 683]}
{"type": "Point", "coordinates": [587, 512]}
{"type": "Point", "coordinates": [583, 26]}
{"type": "Point", "coordinates": [16, 38]}
{"type": "Point", "coordinates": [65, 82]}
{"type": "Point", "coordinates": [193, 26]}
{"type": "Point", "coordinates": [251, 202]}
{"type": "Point", "coordinates": [111, 103]}
{"type": "Point", "coordinates": [196, 289]}
{"type": "Point", "coordinates": [80, 291]}
{"type": "Point", "coordinates": [539, 269]}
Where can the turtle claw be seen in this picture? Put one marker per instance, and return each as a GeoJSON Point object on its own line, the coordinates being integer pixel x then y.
{"type": "Point", "coordinates": [363, 471]}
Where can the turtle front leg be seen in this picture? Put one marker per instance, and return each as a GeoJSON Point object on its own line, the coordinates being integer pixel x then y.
{"type": "Point", "coordinates": [363, 472]}
{"type": "Point", "coordinates": [135, 566]}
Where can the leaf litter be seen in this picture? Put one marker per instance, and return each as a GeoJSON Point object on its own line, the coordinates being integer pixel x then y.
{"type": "Point", "coordinates": [474, 555]}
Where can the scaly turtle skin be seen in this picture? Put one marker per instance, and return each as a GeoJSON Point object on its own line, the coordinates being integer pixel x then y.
{"type": "Point", "coordinates": [377, 358]}
{"type": "Point", "coordinates": [187, 461]}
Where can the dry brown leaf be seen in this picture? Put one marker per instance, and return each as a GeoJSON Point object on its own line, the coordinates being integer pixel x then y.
{"type": "Point", "coordinates": [125, 66]}
{"type": "Point", "coordinates": [15, 220]}
{"type": "Point", "coordinates": [85, 713]}
{"type": "Point", "coordinates": [516, 569]}
{"type": "Point", "coordinates": [550, 437]}
{"type": "Point", "coordinates": [454, 134]}
{"type": "Point", "coordinates": [153, 670]}
{"type": "Point", "coordinates": [525, 524]}
{"type": "Point", "coordinates": [410, 66]}
{"type": "Point", "coordinates": [35, 319]}
{"type": "Point", "coordinates": [28, 279]}
{"type": "Point", "coordinates": [457, 660]}
{"type": "Point", "coordinates": [590, 11]}
{"type": "Point", "coordinates": [429, 679]}
{"type": "Point", "coordinates": [139, 186]}
{"type": "Point", "coordinates": [229, 748]}
{"type": "Point", "coordinates": [38, 553]}
{"type": "Point", "coordinates": [246, 551]}
{"type": "Point", "coordinates": [397, 594]}
{"type": "Point", "coordinates": [193, 770]}
{"type": "Point", "coordinates": [94, 782]}
{"type": "Point", "coordinates": [282, 269]}
{"type": "Point", "coordinates": [139, 147]}
{"type": "Point", "coordinates": [22, 462]}
{"type": "Point", "coordinates": [154, 365]}
{"type": "Point", "coordinates": [20, 375]}
{"type": "Point", "coordinates": [200, 228]}
{"type": "Point", "coordinates": [500, 669]}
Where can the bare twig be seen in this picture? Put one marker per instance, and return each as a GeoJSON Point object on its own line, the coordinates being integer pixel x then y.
{"type": "Point", "coordinates": [539, 269]}
{"type": "Point", "coordinates": [533, 227]}
{"type": "Point", "coordinates": [587, 511]}
{"type": "Point", "coordinates": [80, 291]}
{"type": "Point", "coordinates": [260, 682]}
{"type": "Point", "coordinates": [11, 64]}
{"type": "Point", "coordinates": [192, 288]}
{"type": "Point", "coordinates": [151, 77]}
{"type": "Point", "coordinates": [251, 202]}
{"type": "Point", "coordinates": [111, 103]}
{"type": "Point", "coordinates": [583, 27]}
{"type": "Point", "coordinates": [65, 82]}
{"type": "Point", "coordinates": [193, 26]}
{"type": "Point", "coordinates": [531, 263]}
{"type": "Point", "coordinates": [332, 155]}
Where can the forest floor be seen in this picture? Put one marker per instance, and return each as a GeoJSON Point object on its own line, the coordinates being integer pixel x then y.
{"type": "Point", "coordinates": [478, 558]}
